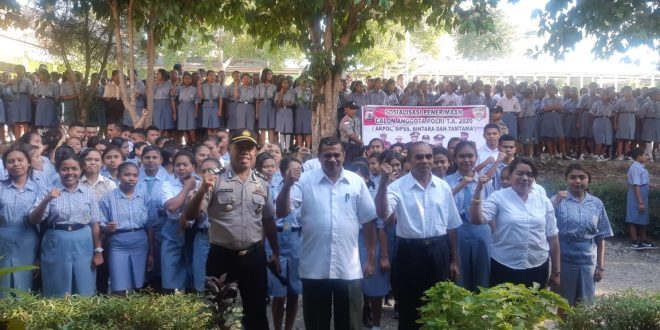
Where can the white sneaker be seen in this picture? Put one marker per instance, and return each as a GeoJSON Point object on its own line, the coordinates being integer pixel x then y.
{"type": "Point", "coordinates": [600, 158]}
{"type": "Point", "coordinates": [581, 157]}
{"type": "Point", "coordinates": [619, 158]}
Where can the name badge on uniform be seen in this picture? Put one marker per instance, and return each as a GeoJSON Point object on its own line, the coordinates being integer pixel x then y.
{"type": "Point", "coordinates": [227, 190]}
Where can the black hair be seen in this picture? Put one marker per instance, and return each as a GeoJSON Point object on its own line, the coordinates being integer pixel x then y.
{"type": "Point", "coordinates": [209, 138]}
{"type": "Point", "coordinates": [329, 141]}
{"type": "Point", "coordinates": [526, 161]}
{"type": "Point", "coordinates": [163, 73]}
{"type": "Point", "coordinates": [118, 142]}
{"type": "Point", "coordinates": [636, 152]}
{"type": "Point", "coordinates": [374, 155]}
{"type": "Point", "coordinates": [261, 159]}
{"type": "Point", "coordinates": [167, 152]}
{"type": "Point", "coordinates": [27, 136]}
{"type": "Point", "coordinates": [136, 146]}
{"type": "Point", "coordinates": [440, 150]}
{"type": "Point", "coordinates": [64, 156]}
{"type": "Point", "coordinates": [506, 137]}
{"type": "Point", "coordinates": [489, 126]}
{"type": "Point", "coordinates": [377, 140]}
{"type": "Point", "coordinates": [401, 145]}
{"type": "Point", "coordinates": [185, 153]}
{"type": "Point", "coordinates": [87, 151]}
{"type": "Point", "coordinates": [77, 124]}
{"type": "Point", "coordinates": [125, 165]}
{"type": "Point", "coordinates": [140, 131]}
{"type": "Point", "coordinates": [91, 142]}
{"type": "Point", "coordinates": [199, 146]}
{"type": "Point", "coordinates": [152, 128]}
{"type": "Point", "coordinates": [284, 164]}
{"type": "Point", "coordinates": [213, 160]}
{"type": "Point", "coordinates": [464, 144]}
{"type": "Point", "coordinates": [577, 167]}
{"type": "Point", "coordinates": [112, 147]}
{"type": "Point", "coordinates": [150, 148]}
{"type": "Point", "coordinates": [415, 144]}
{"type": "Point", "coordinates": [22, 148]}
{"type": "Point", "coordinates": [387, 156]}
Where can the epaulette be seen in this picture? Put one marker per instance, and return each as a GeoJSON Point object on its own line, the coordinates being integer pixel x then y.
{"type": "Point", "coordinates": [259, 175]}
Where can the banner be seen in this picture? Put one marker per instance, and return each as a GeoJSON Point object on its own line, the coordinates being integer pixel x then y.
{"type": "Point", "coordinates": [435, 125]}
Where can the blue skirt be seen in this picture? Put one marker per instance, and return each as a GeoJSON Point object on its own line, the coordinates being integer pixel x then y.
{"type": "Point", "coordinates": [586, 123]}
{"type": "Point", "coordinates": [3, 113]}
{"type": "Point", "coordinates": [244, 116]}
{"type": "Point", "coordinates": [474, 255]}
{"type": "Point", "coordinates": [632, 211]}
{"type": "Point", "coordinates": [303, 124]}
{"type": "Point", "coordinates": [570, 125]}
{"type": "Point", "coordinates": [46, 114]}
{"type": "Point", "coordinates": [231, 115]}
{"type": "Point", "coordinates": [626, 129]}
{"type": "Point", "coordinates": [19, 246]}
{"type": "Point", "coordinates": [210, 117]}
{"type": "Point", "coordinates": [127, 260]}
{"type": "Point", "coordinates": [21, 109]}
{"type": "Point", "coordinates": [551, 125]}
{"type": "Point", "coordinates": [200, 254]}
{"type": "Point", "coordinates": [511, 122]}
{"type": "Point", "coordinates": [377, 285]}
{"type": "Point", "coordinates": [163, 114]}
{"type": "Point", "coordinates": [290, 248]}
{"type": "Point", "coordinates": [528, 131]}
{"type": "Point", "coordinates": [578, 264]}
{"type": "Point", "coordinates": [284, 120]}
{"type": "Point", "coordinates": [651, 130]}
{"type": "Point", "coordinates": [174, 267]}
{"type": "Point", "coordinates": [69, 111]}
{"type": "Point", "coordinates": [266, 114]}
{"type": "Point", "coordinates": [602, 131]}
{"type": "Point", "coordinates": [185, 116]}
{"type": "Point", "coordinates": [66, 263]}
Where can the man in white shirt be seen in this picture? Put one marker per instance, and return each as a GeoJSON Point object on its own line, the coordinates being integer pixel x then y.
{"type": "Point", "coordinates": [427, 219]}
{"type": "Point", "coordinates": [333, 205]}
{"type": "Point", "coordinates": [489, 152]}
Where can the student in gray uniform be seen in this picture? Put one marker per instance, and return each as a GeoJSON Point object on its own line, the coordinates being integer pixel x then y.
{"type": "Point", "coordinates": [411, 95]}
{"type": "Point", "coordinates": [245, 108]}
{"type": "Point", "coordinates": [303, 114]}
{"type": "Point", "coordinates": [551, 125]}
{"type": "Point", "coordinates": [583, 226]}
{"type": "Point", "coordinates": [391, 91]}
{"type": "Point", "coordinates": [585, 121]}
{"type": "Point", "coordinates": [69, 90]}
{"type": "Point", "coordinates": [163, 116]}
{"type": "Point", "coordinates": [285, 99]}
{"type": "Point", "coordinates": [602, 112]}
{"type": "Point", "coordinates": [211, 92]}
{"type": "Point", "coordinates": [233, 94]}
{"type": "Point", "coordinates": [187, 108]}
{"type": "Point", "coordinates": [528, 136]}
{"type": "Point", "coordinates": [570, 119]}
{"type": "Point", "coordinates": [624, 122]}
{"type": "Point", "coordinates": [376, 96]}
{"type": "Point", "coordinates": [358, 96]}
{"type": "Point", "coordinates": [266, 107]}
{"type": "Point", "coordinates": [20, 113]}
{"type": "Point", "coordinates": [474, 97]}
{"type": "Point", "coordinates": [47, 93]}
{"type": "Point", "coordinates": [650, 115]}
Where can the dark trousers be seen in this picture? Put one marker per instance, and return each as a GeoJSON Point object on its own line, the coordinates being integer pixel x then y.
{"type": "Point", "coordinates": [502, 274]}
{"type": "Point", "coordinates": [323, 297]}
{"type": "Point", "coordinates": [352, 151]}
{"type": "Point", "coordinates": [418, 265]}
{"type": "Point", "coordinates": [114, 111]}
{"type": "Point", "coordinates": [249, 270]}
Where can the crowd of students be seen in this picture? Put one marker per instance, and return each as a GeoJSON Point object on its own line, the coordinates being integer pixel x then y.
{"type": "Point", "coordinates": [103, 214]}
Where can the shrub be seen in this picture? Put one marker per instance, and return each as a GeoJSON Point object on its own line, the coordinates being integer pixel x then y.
{"type": "Point", "coordinates": [625, 310]}
{"type": "Point", "coordinates": [138, 311]}
{"type": "Point", "coordinates": [505, 306]}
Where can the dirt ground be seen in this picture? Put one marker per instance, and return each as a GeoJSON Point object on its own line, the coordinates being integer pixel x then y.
{"type": "Point", "coordinates": [625, 268]}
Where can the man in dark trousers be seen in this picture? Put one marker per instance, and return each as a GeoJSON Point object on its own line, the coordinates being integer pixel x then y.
{"type": "Point", "coordinates": [240, 212]}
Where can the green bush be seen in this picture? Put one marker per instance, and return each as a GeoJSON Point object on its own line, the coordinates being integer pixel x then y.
{"type": "Point", "coordinates": [613, 194]}
{"type": "Point", "coordinates": [626, 310]}
{"type": "Point", "coordinates": [138, 311]}
{"type": "Point", "coordinates": [505, 306]}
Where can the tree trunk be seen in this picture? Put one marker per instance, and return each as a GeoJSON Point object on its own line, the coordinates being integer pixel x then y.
{"type": "Point", "coordinates": [130, 107]}
{"type": "Point", "coordinates": [151, 60]}
{"type": "Point", "coordinates": [324, 119]}
{"type": "Point", "coordinates": [126, 99]}
{"type": "Point", "coordinates": [108, 49]}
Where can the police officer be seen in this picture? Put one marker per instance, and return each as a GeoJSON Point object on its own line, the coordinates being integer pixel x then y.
{"type": "Point", "coordinates": [438, 139]}
{"type": "Point", "coordinates": [239, 212]}
{"type": "Point", "coordinates": [349, 132]}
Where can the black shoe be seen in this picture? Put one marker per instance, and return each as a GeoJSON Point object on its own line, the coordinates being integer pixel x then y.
{"type": "Point", "coordinates": [366, 316]}
{"type": "Point", "coordinates": [635, 245]}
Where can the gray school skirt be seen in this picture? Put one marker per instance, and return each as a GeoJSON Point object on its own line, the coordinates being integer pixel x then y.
{"type": "Point", "coordinates": [578, 264]}
{"type": "Point", "coordinates": [626, 129]}
{"type": "Point", "coordinates": [570, 125]}
{"type": "Point", "coordinates": [162, 116]}
{"type": "Point", "coordinates": [602, 130]}
{"type": "Point", "coordinates": [651, 130]}
{"type": "Point", "coordinates": [185, 116]}
{"type": "Point", "coordinates": [209, 115]}
{"type": "Point", "coordinates": [267, 114]}
{"type": "Point", "coordinates": [284, 120]}
{"type": "Point", "coordinates": [511, 121]}
{"type": "Point", "coordinates": [46, 114]}
{"type": "Point", "coordinates": [66, 263]}
{"type": "Point", "coordinates": [528, 131]}
{"type": "Point", "coordinates": [551, 125]}
{"type": "Point", "coordinates": [244, 116]}
{"type": "Point", "coordinates": [586, 123]}
{"type": "Point", "coordinates": [303, 124]}
{"type": "Point", "coordinates": [231, 115]}
{"type": "Point", "coordinates": [21, 109]}
{"type": "Point", "coordinates": [127, 260]}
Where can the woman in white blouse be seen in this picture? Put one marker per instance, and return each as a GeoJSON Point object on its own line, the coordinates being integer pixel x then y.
{"type": "Point", "coordinates": [525, 229]}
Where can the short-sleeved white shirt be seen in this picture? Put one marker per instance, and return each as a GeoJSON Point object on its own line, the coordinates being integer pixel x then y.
{"type": "Point", "coordinates": [331, 215]}
{"type": "Point", "coordinates": [422, 212]}
{"type": "Point", "coordinates": [520, 240]}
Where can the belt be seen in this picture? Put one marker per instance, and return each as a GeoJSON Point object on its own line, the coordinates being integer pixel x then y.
{"type": "Point", "coordinates": [602, 116]}
{"type": "Point", "coordinates": [24, 93]}
{"type": "Point", "coordinates": [650, 118]}
{"type": "Point", "coordinates": [421, 241]}
{"type": "Point", "coordinates": [292, 229]}
{"type": "Point", "coordinates": [132, 230]}
{"type": "Point", "coordinates": [67, 227]}
{"type": "Point", "coordinates": [242, 102]}
{"type": "Point", "coordinates": [46, 97]}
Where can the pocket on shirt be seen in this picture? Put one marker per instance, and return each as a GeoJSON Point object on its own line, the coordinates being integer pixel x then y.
{"type": "Point", "coordinates": [258, 202]}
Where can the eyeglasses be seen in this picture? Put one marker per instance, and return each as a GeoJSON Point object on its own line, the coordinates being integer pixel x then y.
{"type": "Point", "coordinates": [422, 156]}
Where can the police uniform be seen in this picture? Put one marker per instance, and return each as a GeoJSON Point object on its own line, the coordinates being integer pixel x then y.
{"type": "Point", "coordinates": [438, 139]}
{"type": "Point", "coordinates": [414, 136]}
{"type": "Point", "coordinates": [348, 126]}
{"type": "Point", "coordinates": [235, 211]}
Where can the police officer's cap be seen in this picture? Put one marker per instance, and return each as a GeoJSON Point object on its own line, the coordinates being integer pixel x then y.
{"type": "Point", "coordinates": [241, 135]}
{"type": "Point", "coordinates": [352, 105]}
{"type": "Point", "coordinates": [438, 137]}
{"type": "Point", "coordinates": [414, 134]}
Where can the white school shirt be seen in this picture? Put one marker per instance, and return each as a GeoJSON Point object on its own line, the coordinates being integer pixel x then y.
{"type": "Point", "coordinates": [422, 212]}
{"type": "Point", "coordinates": [331, 216]}
{"type": "Point", "coordinates": [484, 152]}
{"type": "Point", "coordinates": [520, 240]}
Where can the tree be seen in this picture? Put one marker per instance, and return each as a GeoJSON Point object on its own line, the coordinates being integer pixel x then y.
{"type": "Point", "coordinates": [486, 45]}
{"type": "Point", "coordinates": [330, 32]}
{"type": "Point", "coordinates": [11, 16]}
{"type": "Point", "coordinates": [616, 26]}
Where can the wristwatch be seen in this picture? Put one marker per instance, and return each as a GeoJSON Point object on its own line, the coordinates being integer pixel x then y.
{"type": "Point", "coordinates": [98, 250]}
